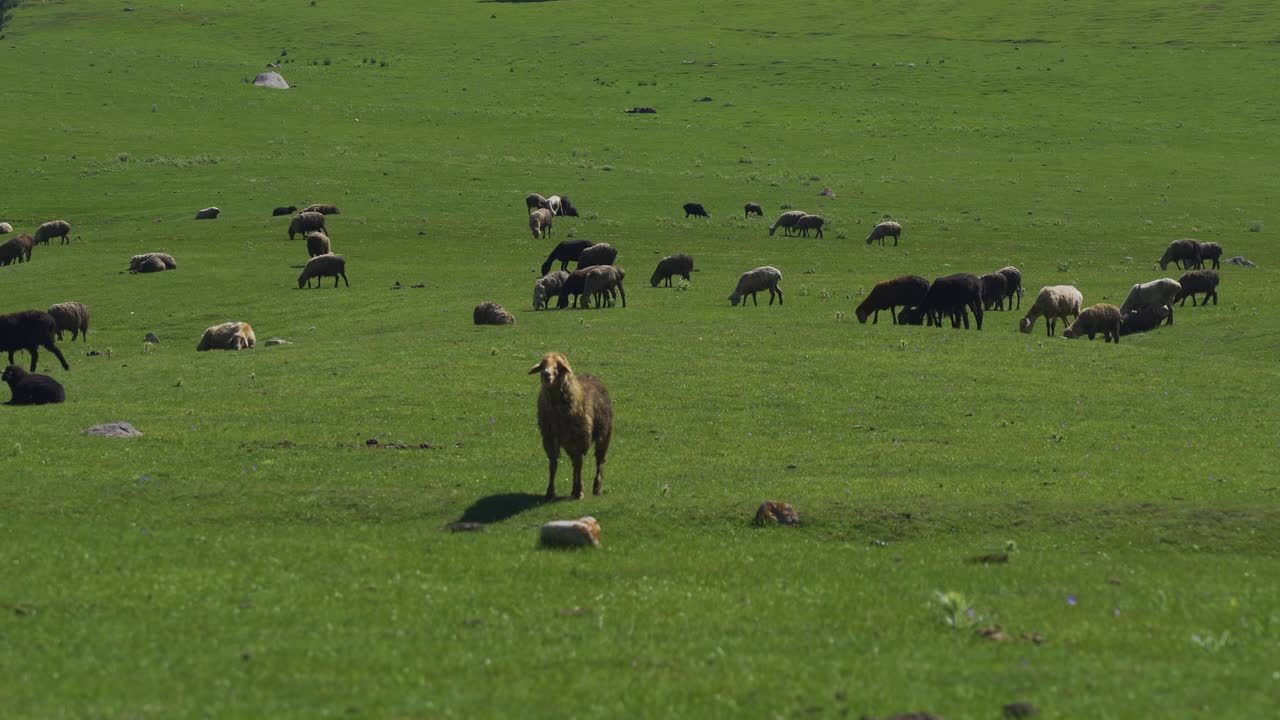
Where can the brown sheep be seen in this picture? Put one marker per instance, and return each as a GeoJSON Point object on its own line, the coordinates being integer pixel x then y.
{"type": "Point", "coordinates": [574, 413]}
{"type": "Point", "coordinates": [1101, 318]}
{"type": "Point", "coordinates": [317, 244]}
{"type": "Point", "coordinates": [491, 313]}
{"type": "Point", "coordinates": [540, 223]}
{"type": "Point", "coordinates": [53, 229]}
{"type": "Point", "coordinates": [71, 316]}
{"type": "Point", "coordinates": [810, 222]}
{"type": "Point", "coordinates": [305, 222]}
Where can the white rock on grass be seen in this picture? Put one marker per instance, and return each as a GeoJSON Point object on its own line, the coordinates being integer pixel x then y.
{"type": "Point", "coordinates": [583, 532]}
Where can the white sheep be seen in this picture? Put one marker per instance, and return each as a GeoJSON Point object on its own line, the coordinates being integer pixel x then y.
{"type": "Point", "coordinates": [753, 281]}
{"type": "Point", "coordinates": [546, 287]}
{"type": "Point", "coordinates": [1053, 302]}
{"type": "Point", "coordinates": [786, 221]}
{"type": "Point", "coordinates": [553, 204]}
{"type": "Point", "coordinates": [885, 229]}
{"type": "Point", "coordinates": [1156, 293]}
{"type": "Point", "coordinates": [322, 266]}
{"type": "Point", "coordinates": [228, 336]}
{"type": "Point", "coordinates": [5, 228]}
{"type": "Point", "coordinates": [540, 223]}
{"type": "Point", "coordinates": [1101, 318]}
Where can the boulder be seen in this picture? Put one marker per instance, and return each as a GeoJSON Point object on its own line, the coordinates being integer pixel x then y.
{"type": "Point", "coordinates": [778, 513]}
{"type": "Point", "coordinates": [271, 80]}
{"type": "Point", "coordinates": [583, 532]}
{"type": "Point", "coordinates": [119, 429]}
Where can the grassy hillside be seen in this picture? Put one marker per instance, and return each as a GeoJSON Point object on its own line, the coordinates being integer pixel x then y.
{"type": "Point", "coordinates": [253, 556]}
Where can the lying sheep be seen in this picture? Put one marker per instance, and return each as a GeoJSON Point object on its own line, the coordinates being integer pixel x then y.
{"type": "Point", "coordinates": [1210, 251]}
{"type": "Point", "coordinates": [1101, 318]}
{"type": "Point", "coordinates": [284, 210]}
{"type": "Point", "coordinates": [228, 336]}
{"type": "Point", "coordinates": [1054, 302]}
{"type": "Point", "coordinates": [1012, 285]}
{"type": "Point", "coordinates": [564, 252]}
{"type": "Point", "coordinates": [810, 222]}
{"type": "Point", "coordinates": [954, 296]}
{"type": "Point", "coordinates": [1156, 293]}
{"type": "Point", "coordinates": [993, 290]}
{"type": "Point", "coordinates": [751, 282]}
{"type": "Point", "coordinates": [209, 213]}
{"type": "Point", "coordinates": [71, 316]}
{"type": "Point", "coordinates": [752, 209]}
{"type": "Point", "coordinates": [323, 209]}
{"type": "Point", "coordinates": [1198, 281]}
{"type": "Point", "coordinates": [905, 291]}
{"type": "Point", "coordinates": [695, 209]}
{"type": "Point", "coordinates": [1142, 319]}
{"type": "Point", "coordinates": [30, 330]}
{"type": "Point", "coordinates": [787, 221]}
{"type": "Point", "coordinates": [1184, 253]}
{"type": "Point", "coordinates": [152, 262]}
{"type": "Point", "coordinates": [5, 228]}
{"type": "Point", "coordinates": [574, 413]}
{"type": "Point", "coordinates": [600, 284]}
{"type": "Point", "coordinates": [540, 223]}
{"type": "Point", "coordinates": [547, 286]}
{"type": "Point", "coordinates": [911, 316]}
{"type": "Point", "coordinates": [322, 266]}
{"type": "Point", "coordinates": [884, 230]}
{"type": "Point", "coordinates": [53, 229]}
{"type": "Point", "coordinates": [305, 222]}
{"type": "Point", "coordinates": [317, 243]}
{"type": "Point", "coordinates": [491, 313]}
{"type": "Point", "coordinates": [32, 389]}
{"type": "Point", "coordinates": [678, 264]}
{"type": "Point", "coordinates": [598, 254]}
{"type": "Point", "coordinates": [573, 285]}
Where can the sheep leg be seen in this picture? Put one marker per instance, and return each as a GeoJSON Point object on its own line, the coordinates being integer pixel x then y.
{"type": "Point", "coordinates": [1170, 321]}
{"type": "Point", "coordinates": [875, 318]}
{"type": "Point", "coordinates": [623, 293]}
{"type": "Point", "coordinates": [553, 460]}
{"type": "Point", "coordinates": [753, 299]}
{"type": "Point", "coordinates": [35, 354]}
{"type": "Point", "coordinates": [779, 296]}
{"type": "Point", "coordinates": [344, 279]}
{"type": "Point", "coordinates": [1049, 322]}
{"type": "Point", "coordinates": [577, 475]}
{"type": "Point", "coordinates": [977, 313]}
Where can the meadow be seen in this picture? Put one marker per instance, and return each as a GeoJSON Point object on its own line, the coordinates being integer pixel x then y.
{"type": "Point", "coordinates": [254, 555]}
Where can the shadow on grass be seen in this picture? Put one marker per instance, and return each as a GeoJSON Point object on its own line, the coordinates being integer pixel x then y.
{"type": "Point", "coordinates": [496, 508]}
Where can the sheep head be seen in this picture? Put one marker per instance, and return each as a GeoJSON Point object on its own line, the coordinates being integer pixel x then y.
{"type": "Point", "coordinates": [1026, 324]}
{"type": "Point", "coordinates": [12, 374]}
{"type": "Point", "coordinates": [554, 368]}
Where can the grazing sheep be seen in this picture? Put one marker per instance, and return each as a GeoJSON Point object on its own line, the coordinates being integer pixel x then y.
{"type": "Point", "coordinates": [14, 250]}
{"type": "Point", "coordinates": [553, 204]}
{"type": "Point", "coordinates": [540, 223]}
{"type": "Point", "coordinates": [228, 336]}
{"type": "Point", "coordinates": [32, 389]}
{"type": "Point", "coordinates": [1101, 318]}
{"type": "Point", "coordinates": [152, 262]}
{"type": "Point", "coordinates": [810, 222]}
{"type": "Point", "coordinates": [598, 254]}
{"type": "Point", "coordinates": [1210, 251]}
{"type": "Point", "coordinates": [30, 330]}
{"type": "Point", "coordinates": [1012, 285]}
{"type": "Point", "coordinates": [71, 316]}
{"type": "Point", "coordinates": [695, 209]}
{"type": "Point", "coordinates": [993, 290]}
{"type": "Point", "coordinates": [534, 201]}
{"type": "Point", "coordinates": [1198, 281]}
{"type": "Point", "coordinates": [905, 291]}
{"type": "Point", "coordinates": [317, 244]}
{"type": "Point", "coordinates": [491, 313]}
{"type": "Point", "coordinates": [573, 285]}
{"type": "Point", "coordinates": [323, 209]}
{"type": "Point", "coordinates": [322, 266]}
{"type": "Point", "coordinates": [564, 252]}
{"type": "Point", "coordinates": [1054, 302]}
{"type": "Point", "coordinates": [600, 283]}
{"type": "Point", "coordinates": [1155, 293]}
{"type": "Point", "coordinates": [787, 221]}
{"type": "Point", "coordinates": [1184, 253]}
{"type": "Point", "coordinates": [209, 213]}
{"type": "Point", "coordinates": [5, 228]}
{"type": "Point", "coordinates": [885, 229]}
{"type": "Point", "coordinates": [954, 295]}
{"type": "Point", "coordinates": [53, 229]}
{"type": "Point", "coordinates": [1142, 319]}
{"type": "Point", "coordinates": [752, 209]}
{"type": "Point", "coordinates": [751, 282]}
{"type": "Point", "coordinates": [566, 208]}
{"type": "Point", "coordinates": [546, 286]}
{"type": "Point", "coordinates": [678, 264]}
{"type": "Point", "coordinates": [305, 222]}
{"type": "Point", "coordinates": [284, 210]}
{"type": "Point", "coordinates": [574, 413]}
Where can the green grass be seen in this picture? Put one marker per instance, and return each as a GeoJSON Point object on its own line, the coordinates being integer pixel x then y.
{"type": "Point", "coordinates": [211, 569]}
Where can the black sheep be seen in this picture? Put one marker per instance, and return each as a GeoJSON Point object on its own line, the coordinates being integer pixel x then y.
{"type": "Point", "coordinates": [1210, 251]}
{"type": "Point", "coordinates": [284, 210]}
{"type": "Point", "coordinates": [565, 252]}
{"type": "Point", "coordinates": [566, 208]}
{"type": "Point", "coordinates": [954, 295]}
{"type": "Point", "coordinates": [1198, 281]}
{"type": "Point", "coordinates": [906, 291]}
{"type": "Point", "coordinates": [752, 209]}
{"type": "Point", "coordinates": [695, 209]}
{"type": "Point", "coordinates": [1144, 319]}
{"type": "Point", "coordinates": [1012, 284]}
{"type": "Point", "coordinates": [993, 290]}
{"type": "Point", "coordinates": [573, 285]}
{"type": "Point", "coordinates": [28, 330]}
{"type": "Point", "coordinates": [31, 389]}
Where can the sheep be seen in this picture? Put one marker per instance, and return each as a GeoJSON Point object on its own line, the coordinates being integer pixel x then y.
{"type": "Point", "coordinates": [540, 223]}
{"type": "Point", "coordinates": [5, 228]}
{"type": "Point", "coordinates": [71, 316]}
{"type": "Point", "coordinates": [317, 244]}
{"type": "Point", "coordinates": [32, 389]}
{"type": "Point", "coordinates": [1198, 281]}
{"type": "Point", "coordinates": [1210, 251]}
{"type": "Point", "coordinates": [573, 285]}
{"type": "Point", "coordinates": [1155, 293]}
{"type": "Point", "coordinates": [678, 264]}
{"type": "Point", "coordinates": [810, 222]}
{"type": "Point", "coordinates": [600, 283]}
{"type": "Point", "coordinates": [598, 254]}
{"type": "Point", "coordinates": [1054, 302]}
{"type": "Point", "coordinates": [883, 230]}
{"type": "Point", "coordinates": [491, 313]}
{"type": "Point", "coordinates": [534, 201]}
{"type": "Point", "coordinates": [228, 336]}
{"type": "Point", "coordinates": [787, 221]}
{"type": "Point", "coordinates": [53, 229]}
{"type": "Point", "coordinates": [954, 295]}
{"type": "Point", "coordinates": [305, 222]}
{"type": "Point", "coordinates": [30, 330]}
{"type": "Point", "coordinates": [752, 209]}
{"type": "Point", "coordinates": [1012, 286]}
{"type": "Point", "coordinates": [911, 316]}
{"type": "Point", "coordinates": [14, 251]}
{"type": "Point", "coordinates": [574, 413]}
{"type": "Point", "coordinates": [553, 204]}
{"type": "Point", "coordinates": [695, 209]}
{"type": "Point", "coordinates": [322, 266]}
{"type": "Point", "coordinates": [546, 286]}
{"type": "Point", "coordinates": [564, 252]}
{"type": "Point", "coordinates": [1101, 318]}
{"type": "Point", "coordinates": [1142, 319]}
{"type": "Point", "coordinates": [993, 290]}
{"type": "Point", "coordinates": [566, 208]}
{"type": "Point", "coordinates": [284, 211]}
{"type": "Point", "coordinates": [323, 209]}
{"type": "Point", "coordinates": [209, 213]}
{"type": "Point", "coordinates": [905, 291]}
{"type": "Point", "coordinates": [1184, 253]}
{"type": "Point", "coordinates": [751, 282]}
{"type": "Point", "coordinates": [152, 262]}
{"type": "Point", "coordinates": [28, 243]}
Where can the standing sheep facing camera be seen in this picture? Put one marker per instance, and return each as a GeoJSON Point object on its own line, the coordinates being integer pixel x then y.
{"type": "Point", "coordinates": [906, 291]}
{"type": "Point", "coordinates": [751, 282]}
{"type": "Point", "coordinates": [228, 336]}
{"type": "Point", "coordinates": [678, 264]}
{"type": "Point", "coordinates": [323, 266]}
{"type": "Point", "coordinates": [1101, 318]}
{"type": "Point", "coordinates": [53, 229]}
{"type": "Point", "coordinates": [574, 413]}
{"type": "Point", "coordinates": [305, 222]}
{"type": "Point", "coordinates": [810, 222]}
{"type": "Point", "coordinates": [71, 316]}
{"type": "Point", "coordinates": [1156, 293]}
{"type": "Point", "coordinates": [540, 223]}
{"type": "Point", "coordinates": [885, 229]}
{"type": "Point", "coordinates": [317, 243]}
{"type": "Point", "coordinates": [1054, 302]}
{"type": "Point", "coordinates": [30, 330]}
{"type": "Point", "coordinates": [32, 389]}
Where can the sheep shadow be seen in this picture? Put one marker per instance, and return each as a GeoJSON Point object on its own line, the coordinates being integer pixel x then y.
{"type": "Point", "coordinates": [503, 506]}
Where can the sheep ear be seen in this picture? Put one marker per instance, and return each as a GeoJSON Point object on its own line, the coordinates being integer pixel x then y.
{"type": "Point", "coordinates": [536, 368]}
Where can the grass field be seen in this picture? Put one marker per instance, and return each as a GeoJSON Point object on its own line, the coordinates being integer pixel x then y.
{"type": "Point", "coordinates": [252, 556]}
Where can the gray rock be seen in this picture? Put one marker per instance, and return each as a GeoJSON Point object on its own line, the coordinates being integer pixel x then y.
{"type": "Point", "coordinates": [271, 80]}
{"type": "Point", "coordinates": [278, 341]}
{"type": "Point", "coordinates": [119, 429]}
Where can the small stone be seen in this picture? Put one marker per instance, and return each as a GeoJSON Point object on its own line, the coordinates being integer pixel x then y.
{"type": "Point", "coordinates": [277, 341]}
{"type": "Point", "coordinates": [119, 429]}
{"type": "Point", "coordinates": [583, 532]}
{"type": "Point", "coordinates": [371, 442]}
{"type": "Point", "coordinates": [994, 633]}
{"type": "Point", "coordinates": [777, 512]}
{"type": "Point", "coordinates": [153, 338]}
